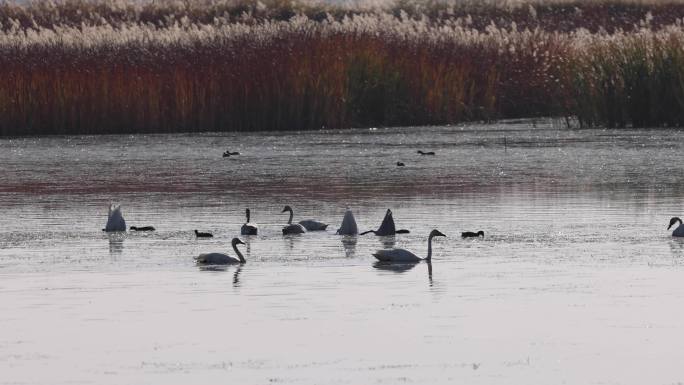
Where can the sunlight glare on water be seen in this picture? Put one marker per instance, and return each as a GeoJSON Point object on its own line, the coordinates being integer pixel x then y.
{"type": "Point", "coordinates": [577, 279]}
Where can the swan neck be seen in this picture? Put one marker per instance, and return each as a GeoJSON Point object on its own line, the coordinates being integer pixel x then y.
{"type": "Point", "coordinates": [238, 253]}
{"type": "Point", "coordinates": [429, 256]}
{"type": "Point", "coordinates": [247, 216]}
{"type": "Point", "coordinates": [289, 222]}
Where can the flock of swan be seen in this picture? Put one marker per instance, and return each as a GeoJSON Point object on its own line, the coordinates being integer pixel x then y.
{"type": "Point", "coordinates": [116, 222]}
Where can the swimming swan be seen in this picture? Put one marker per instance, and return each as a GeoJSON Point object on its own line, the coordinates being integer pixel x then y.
{"type": "Point", "coordinates": [386, 227]}
{"type": "Point", "coordinates": [220, 258]}
{"type": "Point", "coordinates": [405, 256]}
{"type": "Point", "coordinates": [116, 221]}
{"type": "Point", "coordinates": [470, 234]}
{"type": "Point", "coordinates": [203, 235]}
{"type": "Point", "coordinates": [309, 224]}
{"type": "Point", "coordinates": [248, 228]}
{"type": "Point", "coordinates": [348, 226]}
{"type": "Point", "coordinates": [292, 228]}
{"type": "Point", "coordinates": [679, 231]}
{"type": "Point", "coordinates": [143, 228]}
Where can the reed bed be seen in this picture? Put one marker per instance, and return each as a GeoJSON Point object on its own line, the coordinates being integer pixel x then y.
{"type": "Point", "coordinates": [109, 67]}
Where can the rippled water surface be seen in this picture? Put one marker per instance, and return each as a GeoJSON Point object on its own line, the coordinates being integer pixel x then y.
{"type": "Point", "coordinates": [576, 281]}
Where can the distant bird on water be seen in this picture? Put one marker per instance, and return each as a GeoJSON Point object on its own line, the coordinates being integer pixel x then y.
{"type": "Point", "coordinates": [248, 228]}
{"type": "Point", "coordinates": [470, 234]}
{"type": "Point", "coordinates": [679, 231]}
{"type": "Point", "coordinates": [115, 220]}
{"type": "Point", "coordinates": [426, 153]}
{"type": "Point", "coordinates": [226, 154]}
{"type": "Point", "coordinates": [222, 259]}
{"type": "Point", "coordinates": [400, 164]}
{"type": "Point", "coordinates": [199, 234]}
{"type": "Point", "coordinates": [405, 256]}
{"type": "Point", "coordinates": [143, 228]}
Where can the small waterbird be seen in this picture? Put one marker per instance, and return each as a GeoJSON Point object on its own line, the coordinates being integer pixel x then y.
{"type": "Point", "coordinates": [387, 227]}
{"type": "Point", "coordinates": [115, 220]}
{"type": "Point", "coordinates": [203, 235]}
{"type": "Point", "coordinates": [348, 226]}
{"type": "Point", "coordinates": [426, 153]}
{"type": "Point", "coordinates": [470, 234]}
{"type": "Point", "coordinates": [679, 231]}
{"type": "Point", "coordinates": [227, 153]}
{"type": "Point", "coordinates": [220, 258]}
{"type": "Point", "coordinates": [400, 164]}
{"type": "Point", "coordinates": [248, 228]}
{"type": "Point", "coordinates": [405, 256]}
{"type": "Point", "coordinates": [143, 228]}
{"type": "Point", "coordinates": [308, 224]}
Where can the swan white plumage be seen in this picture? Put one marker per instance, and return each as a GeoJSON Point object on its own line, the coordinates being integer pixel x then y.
{"type": "Point", "coordinates": [679, 231]}
{"type": "Point", "coordinates": [348, 226]}
{"type": "Point", "coordinates": [405, 256]}
{"type": "Point", "coordinates": [220, 258]}
{"type": "Point", "coordinates": [291, 228]}
{"type": "Point", "coordinates": [308, 224]}
{"type": "Point", "coordinates": [248, 228]}
{"type": "Point", "coordinates": [115, 221]}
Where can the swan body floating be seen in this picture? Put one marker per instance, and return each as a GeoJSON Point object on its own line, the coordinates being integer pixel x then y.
{"type": "Point", "coordinates": [248, 228]}
{"type": "Point", "coordinates": [220, 258]}
{"type": "Point", "coordinates": [400, 164]}
{"type": "Point", "coordinates": [115, 221]}
{"type": "Point", "coordinates": [679, 231]}
{"type": "Point", "coordinates": [348, 226]}
{"type": "Point", "coordinates": [470, 234]}
{"type": "Point", "coordinates": [228, 154]}
{"type": "Point", "coordinates": [405, 256]}
{"type": "Point", "coordinates": [199, 234]}
{"type": "Point", "coordinates": [291, 228]}
{"type": "Point", "coordinates": [143, 228]}
{"type": "Point", "coordinates": [426, 153]}
{"type": "Point", "coordinates": [387, 227]}
{"type": "Point", "coordinates": [309, 224]}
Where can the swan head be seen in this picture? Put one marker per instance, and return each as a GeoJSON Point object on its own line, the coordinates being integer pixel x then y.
{"type": "Point", "coordinates": [480, 233]}
{"type": "Point", "coordinates": [437, 233]}
{"type": "Point", "coordinates": [286, 209]}
{"type": "Point", "coordinates": [673, 221]}
{"type": "Point", "coordinates": [133, 228]}
{"type": "Point", "coordinates": [237, 241]}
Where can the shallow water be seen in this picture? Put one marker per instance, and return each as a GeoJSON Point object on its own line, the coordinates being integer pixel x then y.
{"type": "Point", "coordinates": [576, 281]}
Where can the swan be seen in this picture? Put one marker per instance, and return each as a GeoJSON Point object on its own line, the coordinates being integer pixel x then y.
{"type": "Point", "coordinates": [348, 226]}
{"type": "Point", "coordinates": [400, 164]}
{"type": "Point", "coordinates": [203, 235]}
{"type": "Point", "coordinates": [387, 227]}
{"type": "Point", "coordinates": [116, 221]}
{"type": "Point", "coordinates": [426, 153]}
{"type": "Point", "coordinates": [679, 231]}
{"type": "Point", "coordinates": [292, 228]}
{"type": "Point", "coordinates": [144, 228]}
{"type": "Point", "coordinates": [220, 258]}
{"type": "Point", "coordinates": [308, 224]}
{"type": "Point", "coordinates": [405, 256]}
{"type": "Point", "coordinates": [470, 234]}
{"type": "Point", "coordinates": [248, 228]}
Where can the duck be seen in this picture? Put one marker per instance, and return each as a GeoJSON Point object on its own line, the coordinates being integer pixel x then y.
{"type": "Point", "coordinates": [308, 224]}
{"type": "Point", "coordinates": [115, 220]}
{"type": "Point", "coordinates": [405, 256]}
{"type": "Point", "coordinates": [248, 228]}
{"type": "Point", "coordinates": [387, 227]}
{"type": "Point", "coordinates": [470, 234]}
{"type": "Point", "coordinates": [222, 259]}
{"type": "Point", "coordinates": [348, 226]}
{"type": "Point", "coordinates": [426, 153]}
{"type": "Point", "coordinates": [203, 235]}
{"type": "Point", "coordinates": [143, 228]}
{"type": "Point", "coordinates": [227, 154]}
{"type": "Point", "coordinates": [291, 228]}
{"type": "Point", "coordinates": [400, 164]}
{"type": "Point", "coordinates": [679, 231]}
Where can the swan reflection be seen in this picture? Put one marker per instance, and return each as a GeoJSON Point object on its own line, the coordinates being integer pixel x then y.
{"type": "Point", "coordinates": [224, 268]}
{"type": "Point", "coordinates": [349, 245]}
{"type": "Point", "coordinates": [116, 244]}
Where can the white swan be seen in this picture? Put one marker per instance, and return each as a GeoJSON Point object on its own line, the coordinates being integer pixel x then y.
{"type": "Point", "coordinates": [387, 227]}
{"type": "Point", "coordinates": [220, 258]}
{"type": "Point", "coordinates": [405, 256]}
{"type": "Point", "coordinates": [348, 226]}
{"type": "Point", "coordinates": [292, 228]}
{"type": "Point", "coordinates": [116, 221]}
{"type": "Point", "coordinates": [308, 224]}
{"type": "Point", "coordinates": [248, 228]}
{"type": "Point", "coordinates": [679, 231]}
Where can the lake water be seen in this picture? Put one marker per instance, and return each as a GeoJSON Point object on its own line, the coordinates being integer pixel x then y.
{"type": "Point", "coordinates": [576, 281]}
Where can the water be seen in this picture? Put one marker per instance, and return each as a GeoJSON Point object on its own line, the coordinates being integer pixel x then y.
{"type": "Point", "coordinates": [576, 281]}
